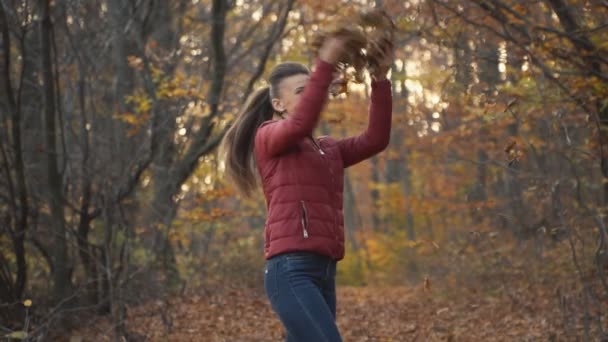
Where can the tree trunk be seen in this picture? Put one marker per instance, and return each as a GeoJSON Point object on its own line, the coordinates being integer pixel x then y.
{"type": "Point", "coordinates": [407, 191]}
{"type": "Point", "coordinates": [20, 198]}
{"type": "Point", "coordinates": [375, 196]}
{"type": "Point", "coordinates": [61, 274]}
{"type": "Point", "coordinates": [489, 77]}
{"type": "Point", "coordinates": [123, 79]}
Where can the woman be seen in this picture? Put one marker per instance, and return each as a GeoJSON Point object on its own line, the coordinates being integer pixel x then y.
{"type": "Point", "coordinates": [302, 179]}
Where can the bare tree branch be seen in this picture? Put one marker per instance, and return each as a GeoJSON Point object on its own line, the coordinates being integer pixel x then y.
{"type": "Point", "coordinates": [274, 35]}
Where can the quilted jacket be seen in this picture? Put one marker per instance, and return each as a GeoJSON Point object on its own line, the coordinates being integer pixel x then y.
{"type": "Point", "coordinates": [302, 177]}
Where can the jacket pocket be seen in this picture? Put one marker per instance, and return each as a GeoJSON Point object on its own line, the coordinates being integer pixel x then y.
{"type": "Point", "coordinates": [304, 220]}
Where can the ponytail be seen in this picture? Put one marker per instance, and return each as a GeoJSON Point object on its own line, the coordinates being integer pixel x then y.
{"type": "Point", "coordinates": [237, 145]}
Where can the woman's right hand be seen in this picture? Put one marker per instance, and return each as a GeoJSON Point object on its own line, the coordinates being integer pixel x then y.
{"type": "Point", "coordinates": [333, 48]}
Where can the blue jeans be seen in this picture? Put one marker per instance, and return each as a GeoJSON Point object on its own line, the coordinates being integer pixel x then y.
{"type": "Point", "coordinates": [301, 288]}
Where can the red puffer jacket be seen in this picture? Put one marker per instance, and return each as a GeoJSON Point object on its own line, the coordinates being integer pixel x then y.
{"type": "Point", "coordinates": [302, 178]}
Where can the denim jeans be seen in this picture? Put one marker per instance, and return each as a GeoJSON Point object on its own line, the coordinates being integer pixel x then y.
{"type": "Point", "coordinates": [301, 288]}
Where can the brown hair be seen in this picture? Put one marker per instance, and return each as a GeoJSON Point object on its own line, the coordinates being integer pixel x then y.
{"type": "Point", "coordinates": [237, 145]}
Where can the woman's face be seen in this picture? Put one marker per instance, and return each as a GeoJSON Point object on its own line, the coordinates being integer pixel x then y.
{"type": "Point", "coordinates": [290, 89]}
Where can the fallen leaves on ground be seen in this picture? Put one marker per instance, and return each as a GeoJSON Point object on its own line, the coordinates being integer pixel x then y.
{"type": "Point", "coordinates": [364, 314]}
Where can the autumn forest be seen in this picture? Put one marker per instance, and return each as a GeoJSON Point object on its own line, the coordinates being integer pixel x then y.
{"type": "Point", "coordinates": [485, 219]}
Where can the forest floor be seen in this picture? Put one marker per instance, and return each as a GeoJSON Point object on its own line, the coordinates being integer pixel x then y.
{"type": "Point", "coordinates": [364, 314]}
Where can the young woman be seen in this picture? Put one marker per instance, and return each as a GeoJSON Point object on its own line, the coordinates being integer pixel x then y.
{"type": "Point", "coordinates": [302, 180]}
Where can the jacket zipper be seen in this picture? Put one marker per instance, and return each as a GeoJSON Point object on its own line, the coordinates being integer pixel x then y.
{"type": "Point", "coordinates": [304, 212]}
{"type": "Point", "coordinates": [331, 172]}
{"type": "Point", "coordinates": [304, 220]}
{"type": "Point", "coordinates": [317, 146]}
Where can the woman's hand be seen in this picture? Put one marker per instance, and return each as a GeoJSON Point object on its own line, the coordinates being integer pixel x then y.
{"type": "Point", "coordinates": [384, 61]}
{"type": "Point", "coordinates": [333, 48]}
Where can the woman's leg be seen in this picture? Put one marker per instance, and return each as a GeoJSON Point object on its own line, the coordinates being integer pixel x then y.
{"type": "Point", "coordinates": [328, 287]}
{"type": "Point", "coordinates": [292, 283]}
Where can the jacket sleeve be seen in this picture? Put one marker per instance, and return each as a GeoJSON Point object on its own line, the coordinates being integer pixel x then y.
{"type": "Point", "coordinates": [277, 137]}
{"type": "Point", "coordinates": [377, 135]}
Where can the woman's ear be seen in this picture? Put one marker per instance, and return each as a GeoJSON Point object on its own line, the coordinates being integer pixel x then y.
{"type": "Point", "coordinates": [277, 105]}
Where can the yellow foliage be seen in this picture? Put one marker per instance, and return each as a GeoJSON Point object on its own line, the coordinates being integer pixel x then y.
{"type": "Point", "coordinates": [17, 335]}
